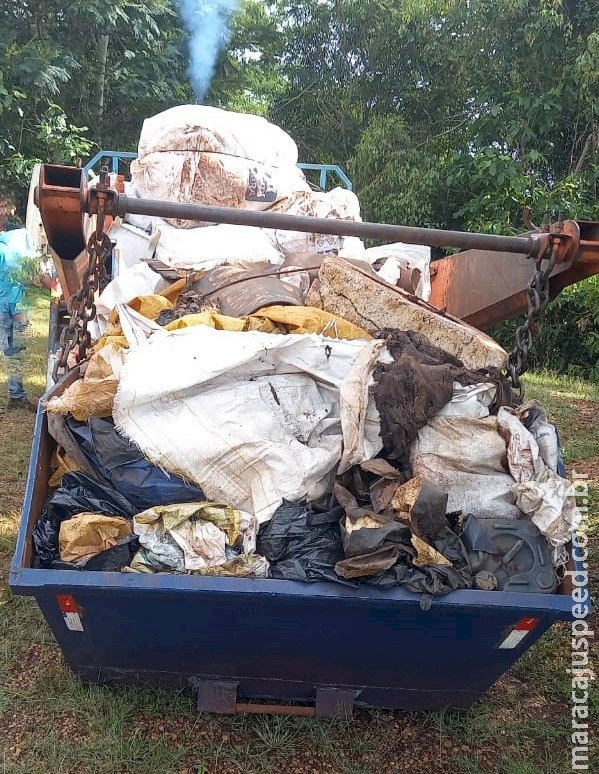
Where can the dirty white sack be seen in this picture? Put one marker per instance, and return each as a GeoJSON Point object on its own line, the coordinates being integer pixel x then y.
{"type": "Point", "coordinates": [338, 203]}
{"type": "Point", "coordinates": [252, 418]}
{"type": "Point", "coordinates": [540, 493]}
{"type": "Point", "coordinates": [205, 128]}
{"type": "Point", "coordinates": [462, 452]}
{"type": "Point", "coordinates": [137, 280]}
{"type": "Point", "coordinates": [388, 261]}
{"type": "Point", "coordinates": [132, 244]}
{"type": "Point", "coordinates": [211, 246]}
{"type": "Point", "coordinates": [216, 179]}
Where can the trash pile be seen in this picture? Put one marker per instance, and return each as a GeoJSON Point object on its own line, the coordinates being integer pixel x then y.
{"type": "Point", "coordinates": [284, 405]}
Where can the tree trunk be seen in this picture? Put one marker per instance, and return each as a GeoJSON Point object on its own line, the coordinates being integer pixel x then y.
{"type": "Point", "coordinates": [101, 58]}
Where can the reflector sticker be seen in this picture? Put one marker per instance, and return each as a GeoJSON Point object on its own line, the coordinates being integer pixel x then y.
{"type": "Point", "coordinates": [519, 632]}
{"type": "Point", "coordinates": [70, 612]}
{"type": "Point", "coordinates": [514, 638]}
{"type": "Point", "coordinates": [73, 621]}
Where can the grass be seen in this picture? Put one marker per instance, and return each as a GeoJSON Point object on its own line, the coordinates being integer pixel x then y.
{"type": "Point", "coordinates": [50, 722]}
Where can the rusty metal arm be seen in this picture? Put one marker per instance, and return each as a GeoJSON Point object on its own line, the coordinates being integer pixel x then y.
{"type": "Point", "coordinates": [121, 205]}
{"type": "Point", "coordinates": [483, 285]}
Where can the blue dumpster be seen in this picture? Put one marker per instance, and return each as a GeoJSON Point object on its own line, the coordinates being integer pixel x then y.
{"type": "Point", "coordinates": [321, 644]}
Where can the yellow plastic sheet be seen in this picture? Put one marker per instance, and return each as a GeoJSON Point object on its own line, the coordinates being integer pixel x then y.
{"type": "Point", "coordinates": [173, 291]}
{"type": "Point", "coordinates": [276, 319]}
{"type": "Point", "coordinates": [222, 322]}
{"type": "Point", "coordinates": [87, 534]}
{"type": "Point", "coordinates": [308, 319]}
{"type": "Point", "coordinates": [150, 306]}
{"type": "Point", "coordinates": [63, 463]}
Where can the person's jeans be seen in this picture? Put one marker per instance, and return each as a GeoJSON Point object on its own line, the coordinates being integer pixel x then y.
{"type": "Point", "coordinates": [12, 356]}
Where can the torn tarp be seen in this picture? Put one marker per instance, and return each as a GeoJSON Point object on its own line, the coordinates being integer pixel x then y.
{"type": "Point", "coordinates": [302, 543]}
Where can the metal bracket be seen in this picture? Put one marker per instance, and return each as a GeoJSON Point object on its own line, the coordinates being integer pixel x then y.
{"type": "Point", "coordinates": [335, 703]}
{"type": "Point", "coordinates": [217, 696]}
{"type": "Point", "coordinates": [220, 697]}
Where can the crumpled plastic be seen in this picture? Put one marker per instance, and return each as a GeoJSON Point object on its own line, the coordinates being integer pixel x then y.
{"type": "Point", "coordinates": [122, 464]}
{"type": "Point", "coordinates": [409, 542]}
{"type": "Point", "coordinates": [302, 543]}
{"type": "Point", "coordinates": [194, 536]}
{"type": "Point", "coordinates": [534, 417]}
{"type": "Point", "coordinates": [113, 559]}
{"type": "Point", "coordinates": [239, 566]}
{"type": "Point", "coordinates": [546, 499]}
{"type": "Point", "coordinates": [93, 395]}
{"type": "Point", "coordinates": [540, 493]}
{"type": "Point", "coordinates": [275, 319]}
{"type": "Point", "coordinates": [87, 534]}
{"type": "Point", "coordinates": [150, 306]}
{"type": "Point", "coordinates": [308, 319]}
{"type": "Point", "coordinates": [78, 493]}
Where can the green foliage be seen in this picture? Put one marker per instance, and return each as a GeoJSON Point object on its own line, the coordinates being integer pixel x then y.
{"type": "Point", "coordinates": [27, 271]}
{"type": "Point", "coordinates": [445, 114]}
{"type": "Point", "coordinates": [569, 337]}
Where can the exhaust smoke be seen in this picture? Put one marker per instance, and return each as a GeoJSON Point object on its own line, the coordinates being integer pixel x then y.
{"type": "Point", "coordinates": [207, 23]}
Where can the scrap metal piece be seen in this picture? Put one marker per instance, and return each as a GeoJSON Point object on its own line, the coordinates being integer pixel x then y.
{"type": "Point", "coordinates": [238, 292]}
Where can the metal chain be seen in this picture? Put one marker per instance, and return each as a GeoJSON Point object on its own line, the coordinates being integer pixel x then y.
{"type": "Point", "coordinates": [82, 306]}
{"type": "Point", "coordinates": [538, 297]}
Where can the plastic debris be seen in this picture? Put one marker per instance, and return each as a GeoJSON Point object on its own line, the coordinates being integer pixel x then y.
{"type": "Point", "coordinates": [87, 534]}
{"type": "Point", "coordinates": [193, 536]}
{"type": "Point", "coordinates": [78, 493]}
{"type": "Point", "coordinates": [122, 464]}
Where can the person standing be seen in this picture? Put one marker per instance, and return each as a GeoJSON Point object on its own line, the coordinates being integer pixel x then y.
{"type": "Point", "coordinates": [14, 246]}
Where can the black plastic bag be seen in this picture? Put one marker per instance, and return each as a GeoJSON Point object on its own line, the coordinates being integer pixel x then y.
{"type": "Point", "coordinates": [122, 464]}
{"type": "Point", "coordinates": [301, 543]}
{"type": "Point", "coordinates": [77, 493]}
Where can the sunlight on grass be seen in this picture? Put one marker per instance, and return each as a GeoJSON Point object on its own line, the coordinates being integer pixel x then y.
{"type": "Point", "coordinates": [544, 386]}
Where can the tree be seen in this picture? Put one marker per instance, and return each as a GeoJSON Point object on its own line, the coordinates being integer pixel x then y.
{"type": "Point", "coordinates": [82, 74]}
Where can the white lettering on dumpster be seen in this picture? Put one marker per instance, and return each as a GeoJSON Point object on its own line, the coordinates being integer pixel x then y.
{"type": "Point", "coordinates": [581, 670]}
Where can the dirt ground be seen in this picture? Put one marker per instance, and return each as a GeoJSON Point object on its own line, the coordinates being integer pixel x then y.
{"type": "Point", "coordinates": [50, 722]}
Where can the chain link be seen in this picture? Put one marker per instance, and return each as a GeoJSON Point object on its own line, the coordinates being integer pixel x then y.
{"type": "Point", "coordinates": [538, 292]}
{"type": "Point", "coordinates": [82, 306]}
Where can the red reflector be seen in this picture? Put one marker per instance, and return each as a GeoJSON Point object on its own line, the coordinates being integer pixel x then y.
{"type": "Point", "coordinates": [526, 624]}
{"type": "Point", "coordinates": [66, 603]}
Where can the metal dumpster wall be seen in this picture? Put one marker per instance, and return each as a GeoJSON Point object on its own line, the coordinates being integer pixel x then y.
{"type": "Point", "coordinates": [284, 643]}
{"type": "Point", "coordinates": [277, 639]}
